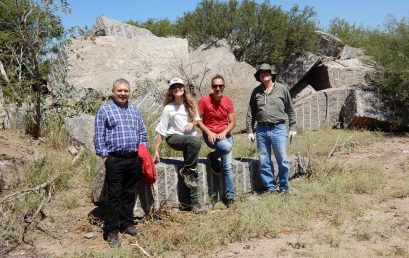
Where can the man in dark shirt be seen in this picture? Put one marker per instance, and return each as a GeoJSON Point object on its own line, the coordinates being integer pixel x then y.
{"type": "Point", "coordinates": [119, 129]}
{"type": "Point", "coordinates": [270, 104]}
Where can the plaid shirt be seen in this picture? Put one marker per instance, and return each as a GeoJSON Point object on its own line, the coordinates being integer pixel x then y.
{"type": "Point", "coordinates": [118, 129]}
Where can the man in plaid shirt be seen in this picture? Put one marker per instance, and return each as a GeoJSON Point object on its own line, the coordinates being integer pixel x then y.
{"type": "Point", "coordinates": [119, 129]}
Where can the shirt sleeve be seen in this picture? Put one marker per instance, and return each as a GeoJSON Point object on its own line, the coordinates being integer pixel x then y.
{"type": "Point", "coordinates": [251, 113]}
{"type": "Point", "coordinates": [231, 111]}
{"type": "Point", "coordinates": [162, 127]}
{"type": "Point", "coordinates": [99, 134]}
{"type": "Point", "coordinates": [143, 138]}
{"type": "Point", "coordinates": [292, 123]}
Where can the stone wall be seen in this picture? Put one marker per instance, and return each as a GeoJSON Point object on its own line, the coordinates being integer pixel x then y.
{"type": "Point", "coordinates": [320, 108]}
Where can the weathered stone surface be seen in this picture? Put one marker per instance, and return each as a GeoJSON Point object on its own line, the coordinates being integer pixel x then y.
{"type": "Point", "coordinates": [16, 117]}
{"type": "Point", "coordinates": [344, 73]}
{"type": "Point", "coordinates": [207, 61]}
{"type": "Point", "coordinates": [240, 82]}
{"type": "Point", "coordinates": [1, 98]}
{"type": "Point", "coordinates": [329, 45]}
{"type": "Point", "coordinates": [365, 109]}
{"type": "Point", "coordinates": [320, 108]}
{"type": "Point", "coordinates": [296, 68]}
{"type": "Point", "coordinates": [105, 26]}
{"type": "Point", "coordinates": [143, 61]}
{"type": "Point", "coordinates": [81, 129]}
{"type": "Point", "coordinates": [350, 52]}
{"type": "Point", "coordinates": [210, 57]}
{"type": "Point", "coordinates": [302, 91]}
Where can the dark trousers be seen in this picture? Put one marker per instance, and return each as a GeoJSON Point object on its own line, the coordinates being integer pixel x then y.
{"type": "Point", "coordinates": [122, 175]}
{"type": "Point", "coordinates": [190, 146]}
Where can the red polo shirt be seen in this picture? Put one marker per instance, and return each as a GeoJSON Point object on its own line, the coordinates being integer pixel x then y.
{"type": "Point", "coordinates": [214, 112]}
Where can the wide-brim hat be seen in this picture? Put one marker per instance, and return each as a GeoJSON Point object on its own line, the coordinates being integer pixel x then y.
{"type": "Point", "coordinates": [175, 81]}
{"type": "Point", "coordinates": [265, 67]}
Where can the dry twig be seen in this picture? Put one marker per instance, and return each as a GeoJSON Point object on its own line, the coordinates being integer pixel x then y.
{"type": "Point", "coordinates": [140, 248]}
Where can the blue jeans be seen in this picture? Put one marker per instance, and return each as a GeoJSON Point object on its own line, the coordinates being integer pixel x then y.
{"type": "Point", "coordinates": [275, 137]}
{"type": "Point", "coordinates": [223, 150]}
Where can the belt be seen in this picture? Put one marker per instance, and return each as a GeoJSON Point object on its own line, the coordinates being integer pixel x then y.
{"type": "Point", "coordinates": [270, 124]}
{"type": "Point", "coordinates": [132, 154]}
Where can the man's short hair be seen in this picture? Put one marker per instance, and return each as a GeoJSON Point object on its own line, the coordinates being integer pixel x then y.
{"type": "Point", "coordinates": [217, 76]}
{"type": "Point", "coordinates": [119, 81]}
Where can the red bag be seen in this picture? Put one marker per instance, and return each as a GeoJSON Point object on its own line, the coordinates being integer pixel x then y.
{"type": "Point", "coordinates": [148, 167]}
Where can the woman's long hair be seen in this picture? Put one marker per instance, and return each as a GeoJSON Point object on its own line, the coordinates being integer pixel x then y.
{"type": "Point", "coordinates": [188, 101]}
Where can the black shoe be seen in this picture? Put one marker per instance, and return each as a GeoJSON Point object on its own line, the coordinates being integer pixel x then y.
{"type": "Point", "coordinates": [230, 203]}
{"type": "Point", "coordinates": [130, 230]}
{"type": "Point", "coordinates": [113, 240]}
{"type": "Point", "coordinates": [189, 179]}
{"type": "Point", "coordinates": [214, 164]}
{"type": "Point", "coordinates": [198, 209]}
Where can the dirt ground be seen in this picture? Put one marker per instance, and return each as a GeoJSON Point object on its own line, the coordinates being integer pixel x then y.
{"type": "Point", "coordinates": [382, 229]}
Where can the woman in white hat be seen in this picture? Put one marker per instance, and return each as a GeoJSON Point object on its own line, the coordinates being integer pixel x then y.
{"type": "Point", "coordinates": [177, 128]}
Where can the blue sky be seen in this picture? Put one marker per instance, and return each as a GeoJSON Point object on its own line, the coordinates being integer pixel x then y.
{"type": "Point", "coordinates": [368, 13]}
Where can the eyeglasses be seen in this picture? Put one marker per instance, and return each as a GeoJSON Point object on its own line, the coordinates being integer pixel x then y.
{"type": "Point", "coordinates": [215, 86]}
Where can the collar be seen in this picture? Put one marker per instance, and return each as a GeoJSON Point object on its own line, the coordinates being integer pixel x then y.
{"type": "Point", "coordinates": [119, 105]}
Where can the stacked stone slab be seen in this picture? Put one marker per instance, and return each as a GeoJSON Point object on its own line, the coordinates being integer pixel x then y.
{"type": "Point", "coordinates": [320, 108]}
{"type": "Point", "coordinates": [365, 109]}
{"type": "Point", "coordinates": [170, 190]}
{"type": "Point", "coordinates": [345, 73]}
{"type": "Point", "coordinates": [324, 84]}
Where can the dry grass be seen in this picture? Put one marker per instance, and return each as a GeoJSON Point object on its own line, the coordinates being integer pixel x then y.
{"type": "Point", "coordinates": [329, 196]}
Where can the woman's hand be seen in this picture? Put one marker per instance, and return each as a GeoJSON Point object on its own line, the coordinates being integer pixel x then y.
{"type": "Point", "coordinates": [157, 157]}
{"type": "Point", "coordinates": [189, 126]}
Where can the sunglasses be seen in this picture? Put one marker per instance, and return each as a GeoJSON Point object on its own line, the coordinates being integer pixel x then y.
{"type": "Point", "coordinates": [177, 86]}
{"type": "Point", "coordinates": [215, 86]}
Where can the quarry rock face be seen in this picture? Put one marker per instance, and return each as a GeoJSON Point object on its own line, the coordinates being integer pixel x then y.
{"type": "Point", "coordinates": [141, 60]}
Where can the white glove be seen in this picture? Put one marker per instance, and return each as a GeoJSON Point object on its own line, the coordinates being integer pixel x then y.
{"type": "Point", "coordinates": [292, 134]}
{"type": "Point", "coordinates": [251, 137]}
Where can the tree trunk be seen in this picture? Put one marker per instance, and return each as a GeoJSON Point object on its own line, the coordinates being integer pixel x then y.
{"type": "Point", "coordinates": [3, 73]}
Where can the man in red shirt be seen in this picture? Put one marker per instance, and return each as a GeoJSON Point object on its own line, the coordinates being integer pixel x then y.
{"type": "Point", "coordinates": [217, 113]}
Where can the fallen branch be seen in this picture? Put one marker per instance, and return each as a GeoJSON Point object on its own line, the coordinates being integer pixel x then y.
{"type": "Point", "coordinates": [140, 248]}
{"type": "Point", "coordinates": [27, 191]}
{"type": "Point", "coordinates": [336, 145]}
{"type": "Point", "coordinates": [333, 149]}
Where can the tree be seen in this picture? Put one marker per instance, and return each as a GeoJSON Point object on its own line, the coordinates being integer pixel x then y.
{"type": "Point", "coordinates": [352, 35]}
{"type": "Point", "coordinates": [389, 51]}
{"type": "Point", "coordinates": [29, 32]}
{"type": "Point", "coordinates": [257, 32]}
{"type": "Point", "coordinates": [161, 28]}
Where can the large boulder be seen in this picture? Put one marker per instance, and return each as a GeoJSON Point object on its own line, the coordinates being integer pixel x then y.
{"type": "Point", "coordinates": [319, 108]}
{"type": "Point", "coordinates": [143, 61]}
{"type": "Point", "coordinates": [328, 45]}
{"type": "Point", "coordinates": [105, 26]}
{"type": "Point", "coordinates": [206, 61]}
{"type": "Point", "coordinates": [365, 109]}
{"type": "Point", "coordinates": [81, 129]}
{"type": "Point", "coordinates": [350, 52]}
{"type": "Point", "coordinates": [296, 68]}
